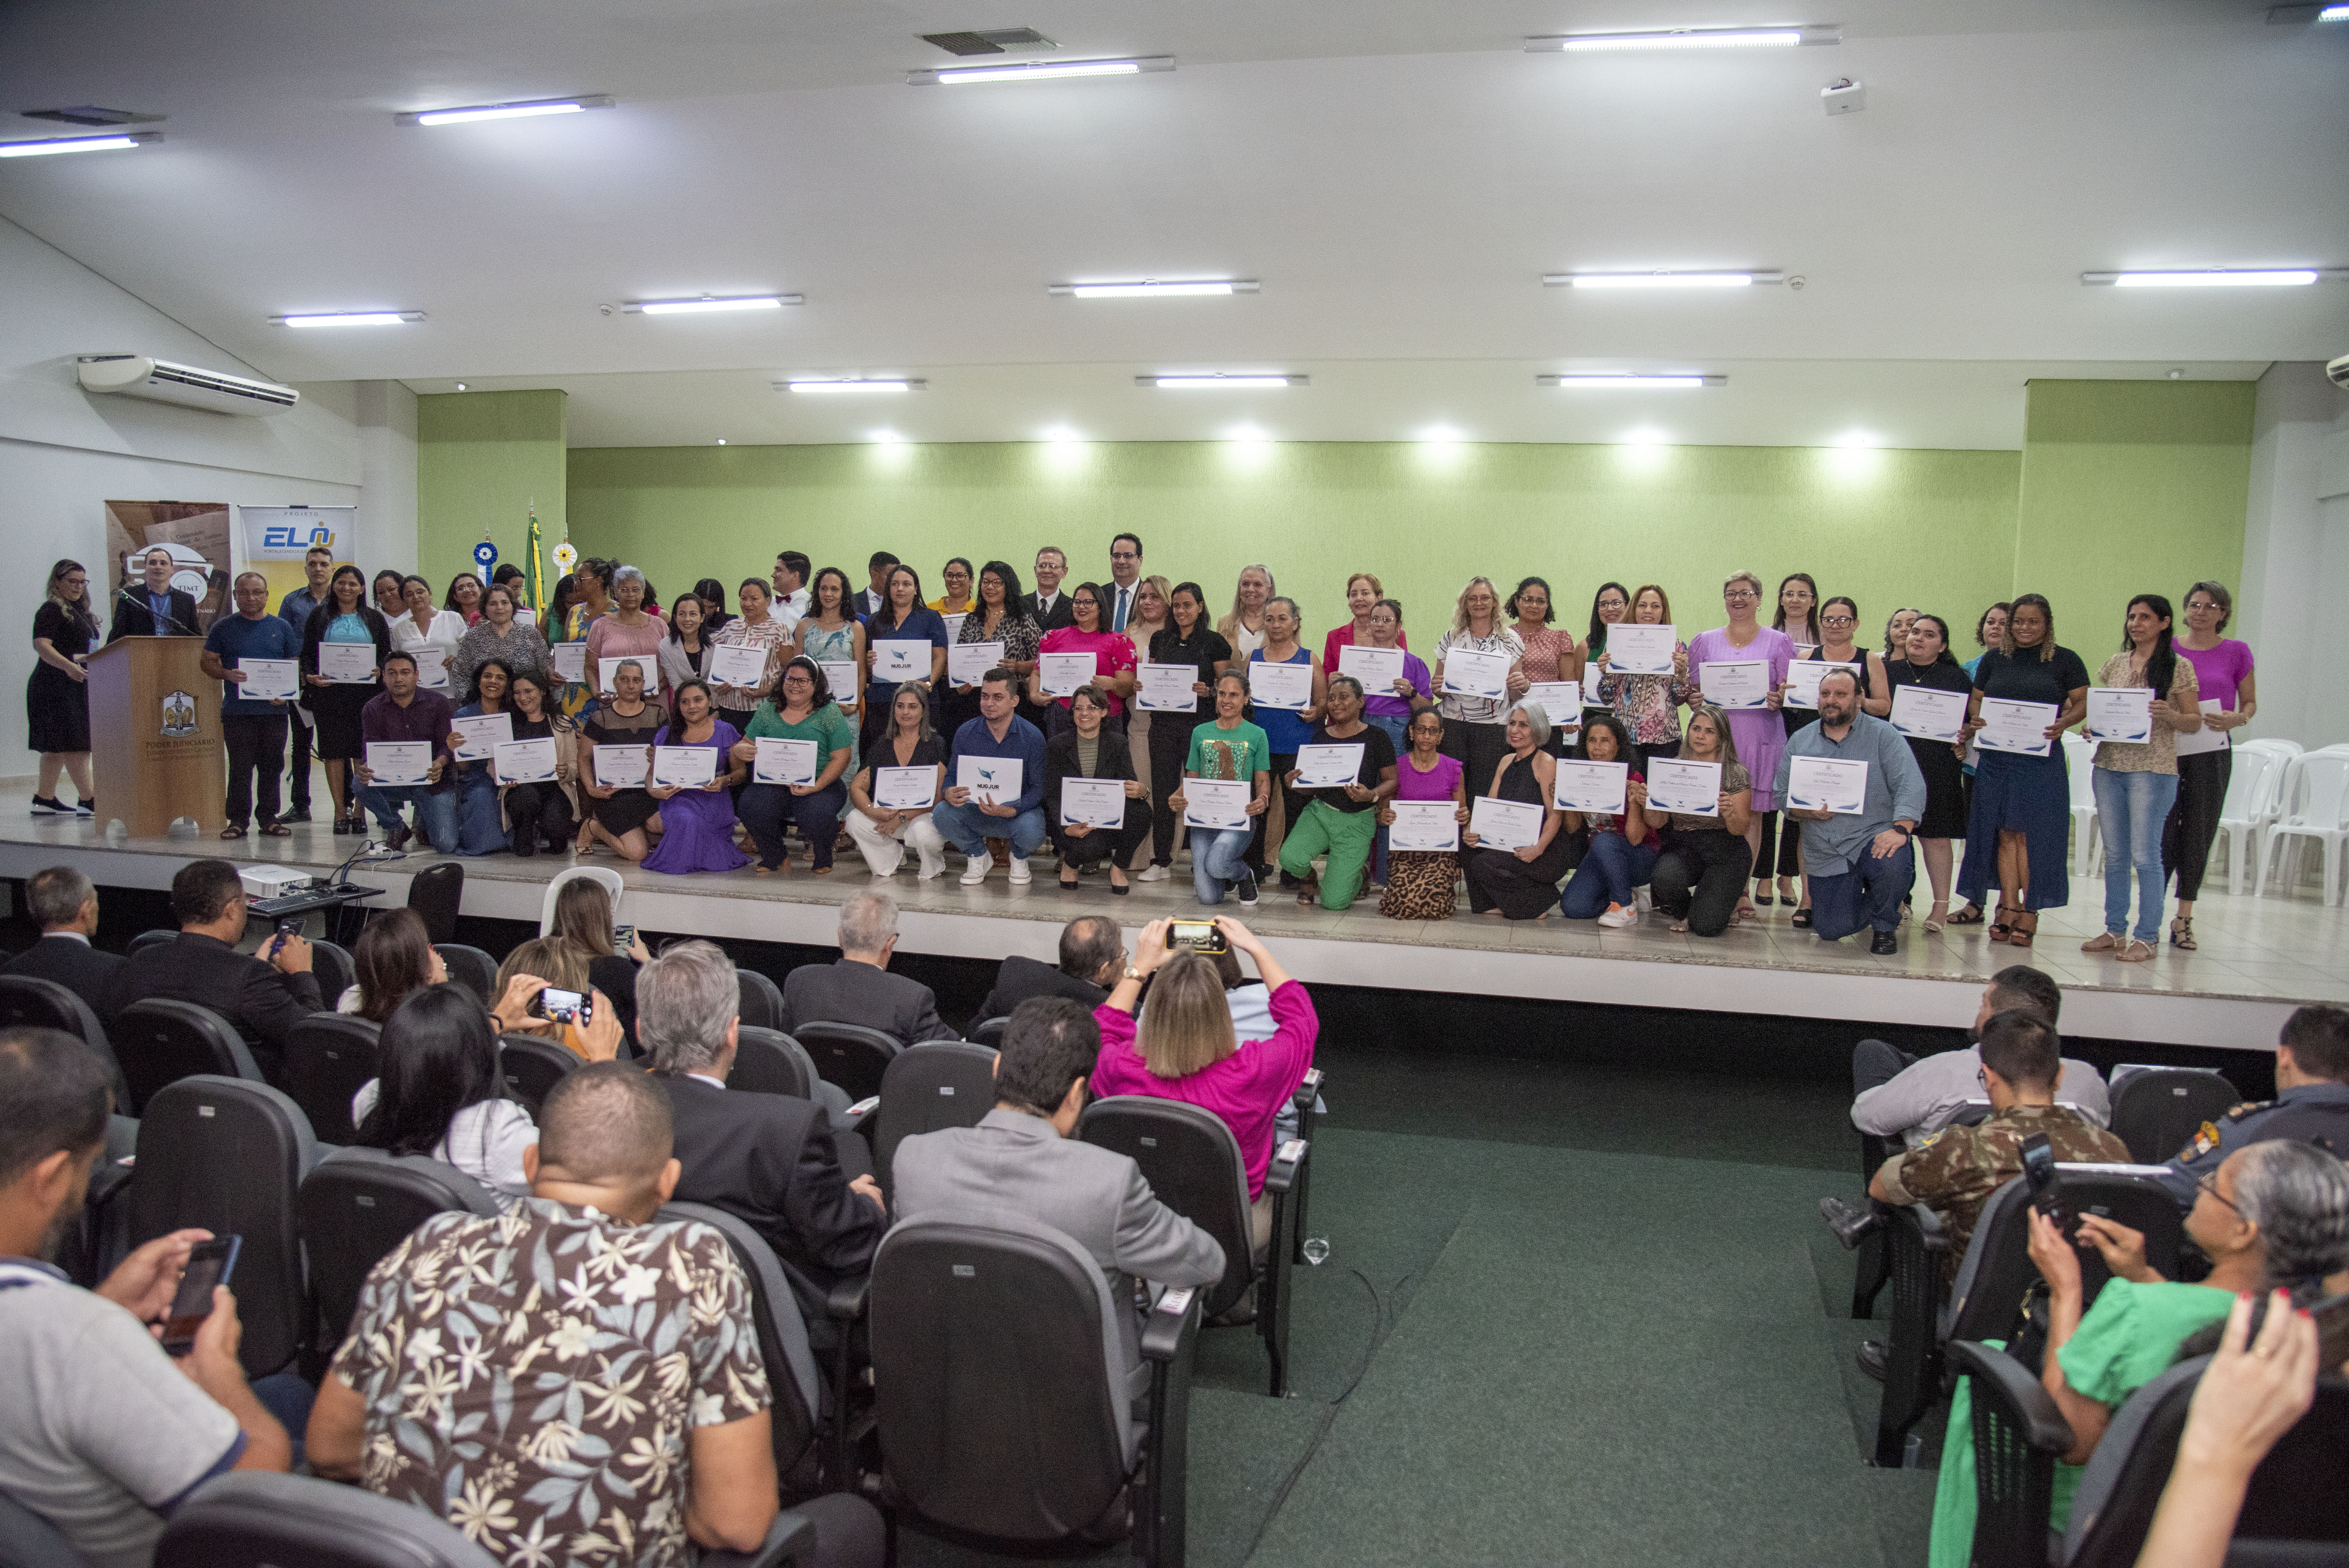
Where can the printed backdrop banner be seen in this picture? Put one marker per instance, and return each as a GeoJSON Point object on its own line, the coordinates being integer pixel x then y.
{"type": "Point", "coordinates": [275, 539]}
{"type": "Point", "coordinates": [196, 533]}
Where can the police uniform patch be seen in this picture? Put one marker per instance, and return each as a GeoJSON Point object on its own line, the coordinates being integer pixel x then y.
{"type": "Point", "coordinates": [2204, 1141]}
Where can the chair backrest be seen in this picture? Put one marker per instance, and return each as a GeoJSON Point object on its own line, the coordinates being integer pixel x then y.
{"type": "Point", "coordinates": [783, 1334]}
{"type": "Point", "coordinates": [147, 939]}
{"type": "Point", "coordinates": [534, 1066]}
{"type": "Point", "coordinates": [332, 967]}
{"type": "Point", "coordinates": [2284, 748]}
{"type": "Point", "coordinates": [989, 1032]}
{"type": "Point", "coordinates": [160, 1041]}
{"type": "Point", "coordinates": [851, 1056]}
{"type": "Point", "coordinates": [2252, 784]}
{"type": "Point", "coordinates": [356, 1205]}
{"type": "Point", "coordinates": [999, 1385]}
{"type": "Point", "coordinates": [767, 1061]}
{"type": "Point", "coordinates": [2078, 753]}
{"type": "Point", "coordinates": [251, 1518]}
{"type": "Point", "coordinates": [944, 1083]}
{"type": "Point", "coordinates": [763, 999]}
{"type": "Point", "coordinates": [29, 1541]}
{"type": "Point", "coordinates": [1986, 1299]}
{"type": "Point", "coordinates": [330, 1059]}
{"type": "Point", "coordinates": [605, 874]}
{"type": "Point", "coordinates": [2158, 1111]}
{"type": "Point", "coordinates": [1193, 1164]}
{"type": "Point", "coordinates": [470, 967]}
{"type": "Point", "coordinates": [2316, 789]}
{"type": "Point", "coordinates": [434, 893]}
{"type": "Point", "coordinates": [28, 1002]}
{"type": "Point", "coordinates": [229, 1155]}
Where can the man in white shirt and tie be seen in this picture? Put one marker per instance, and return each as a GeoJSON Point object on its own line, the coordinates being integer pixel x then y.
{"type": "Point", "coordinates": [790, 578]}
{"type": "Point", "coordinates": [1125, 577]}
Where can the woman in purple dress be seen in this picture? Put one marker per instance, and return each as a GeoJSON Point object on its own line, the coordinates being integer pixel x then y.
{"type": "Point", "coordinates": [698, 823]}
{"type": "Point", "coordinates": [1760, 732]}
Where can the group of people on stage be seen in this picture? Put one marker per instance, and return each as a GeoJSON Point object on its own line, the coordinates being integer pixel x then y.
{"type": "Point", "coordinates": [1131, 686]}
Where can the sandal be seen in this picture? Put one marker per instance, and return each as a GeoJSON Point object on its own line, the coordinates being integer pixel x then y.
{"type": "Point", "coordinates": [277, 831]}
{"type": "Point", "coordinates": [2002, 931]}
{"type": "Point", "coordinates": [2104, 943]}
{"type": "Point", "coordinates": [2135, 952]}
{"type": "Point", "coordinates": [1939, 915]}
{"type": "Point", "coordinates": [232, 832]}
{"type": "Point", "coordinates": [1970, 915]}
{"type": "Point", "coordinates": [1067, 879]}
{"type": "Point", "coordinates": [2018, 937]}
{"type": "Point", "coordinates": [1762, 900]}
{"type": "Point", "coordinates": [2181, 933]}
{"type": "Point", "coordinates": [1802, 920]}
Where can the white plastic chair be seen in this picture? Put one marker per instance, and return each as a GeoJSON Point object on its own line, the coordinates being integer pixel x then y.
{"type": "Point", "coordinates": [2287, 747]}
{"type": "Point", "coordinates": [2315, 805]}
{"type": "Point", "coordinates": [2079, 754]}
{"type": "Point", "coordinates": [2253, 790]}
{"type": "Point", "coordinates": [605, 874]}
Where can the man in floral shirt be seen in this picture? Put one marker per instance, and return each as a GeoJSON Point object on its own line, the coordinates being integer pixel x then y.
{"type": "Point", "coordinates": [568, 1384]}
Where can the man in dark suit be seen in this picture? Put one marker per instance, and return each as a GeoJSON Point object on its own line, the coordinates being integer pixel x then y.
{"type": "Point", "coordinates": [151, 607]}
{"type": "Point", "coordinates": [263, 998]}
{"type": "Point", "coordinates": [873, 600]}
{"type": "Point", "coordinates": [65, 904]}
{"type": "Point", "coordinates": [769, 1158]}
{"type": "Point", "coordinates": [859, 988]}
{"type": "Point", "coordinates": [1048, 606]}
{"type": "Point", "coordinates": [1091, 950]}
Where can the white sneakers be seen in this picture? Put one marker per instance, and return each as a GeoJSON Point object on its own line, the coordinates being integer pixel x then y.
{"type": "Point", "coordinates": [1153, 873]}
{"type": "Point", "coordinates": [1617, 917]}
{"type": "Point", "coordinates": [974, 872]}
{"type": "Point", "coordinates": [1018, 871]}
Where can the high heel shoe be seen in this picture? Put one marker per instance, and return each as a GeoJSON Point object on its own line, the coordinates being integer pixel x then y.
{"type": "Point", "coordinates": [1938, 917]}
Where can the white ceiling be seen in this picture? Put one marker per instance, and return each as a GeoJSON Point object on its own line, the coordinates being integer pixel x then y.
{"type": "Point", "coordinates": [1398, 174]}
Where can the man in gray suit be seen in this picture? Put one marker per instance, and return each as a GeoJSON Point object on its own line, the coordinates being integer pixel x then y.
{"type": "Point", "coordinates": [1023, 1157]}
{"type": "Point", "coordinates": [859, 988]}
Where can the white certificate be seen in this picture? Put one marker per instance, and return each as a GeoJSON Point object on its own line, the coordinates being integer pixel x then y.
{"type": "Point", "coordinates": [1635, 650]}
{"type": "Point", "coordinates": [1093, 803]}
{"type": "Point", "coordinates": [781, 761]}
{"type": "Point", "coordinates": [966, 662]}
{"type": "Point", "coordinates": [1591, 787]}
{"type": "Point", "coordinates": [1060, 675]}
{"type": "Point", "coordinates": [608, 670]}
{"type": "Point", "coordinates": [1285, 686]}
{"type": "Point", "coordinates": [954, 624]}
{"type": "Point", "coordinates": [685, 766]}
{"type": "Point", "coordinates": [1167, 688]}
{"type": "Point", "coordinates": [347, 664]}
{"type": "Point", "coordinates": [1424, 825]}
{"type": "Point", "coordinates": [1692, 789]}
{"type": "Point", "coordinates": [991, 780]}
{"type": "Point", "coordinates": [1827, 783]}
{"type": "Point", "coordinates": [841, 679]}
{"type": "Point", "coordinates": [400, 761]}
{"type": "Point", "coordinates": [266, 678]}
{"type": "Point", "coordinates": [1469, 672]}
{"type": "Point", "coordinates": [525, 761]}
{"type": "Point", "coordinates": [568, 661]}
{"type": "Point", "coordinates": [906, 789]}
{"type": "Point", "coordinates": [483, 734]}
{"type": "Point", "coordinates": [1562, 700]}
{"type": "Point", "coordinates": [1803, 678]}
{"type": "Point", "coordinates": [1504, 824]}
{"type": "Point", "coordinates": [2120, 713]}
{"type": "Point", "coordinates": [1215, 802]}
{"type": "Point", "coordinates": [1927, 714]}
{"type": "Point", "coordinates": [2205, 739]}
{"type": "Point", "coordinates": [1377, 668]}
{"type": "Point", "coordinates": [1733, 682]}
{"type": "Point", "coordinates": [1329, 767]}
{"type": "Point", "coordinates": [900, 660]}
{"type": "Point", "coordinates": [2017, 726]}
{"type": "Point", "coordinates": [622, 767]}
{"type": "Point", "coordinates": [431, 668]}
{"type": "Point", "coordinates": [740, 664]}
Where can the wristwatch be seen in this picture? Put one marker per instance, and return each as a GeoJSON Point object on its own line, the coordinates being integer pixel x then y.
{"type": "Point", "coordinates": [1132, 972]}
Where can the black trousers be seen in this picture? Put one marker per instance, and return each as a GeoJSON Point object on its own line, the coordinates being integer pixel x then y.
{"type": "Point", "coordinates": [539, 813]}
{"type": "Point", "coordinates": [1478, 749]}
{"type": "Point", "coordinates": [298, 760]}
{"type": "Point", "coordinates": [1115, 845]}
{"type": "Point", "coordinates": [1170, 747]}
{"type": "Point", "coordinates": [1699, 877]}
{"type": "Point", "coordinates": [256, 750]}
{"type": "Point", "coordinates": [2193, 824]}
{"type": "Point", "coordinates": [1781, 842]}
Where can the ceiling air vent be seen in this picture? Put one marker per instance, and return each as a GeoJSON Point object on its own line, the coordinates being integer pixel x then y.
{"type": "Point", "coordinates": [994, 41]}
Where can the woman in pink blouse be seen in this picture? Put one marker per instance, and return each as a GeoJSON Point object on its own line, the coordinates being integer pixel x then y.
{"type": "Point", "coordinates": [2222, 672]}
{"type": "Point", "coordinates": [1551, 654]}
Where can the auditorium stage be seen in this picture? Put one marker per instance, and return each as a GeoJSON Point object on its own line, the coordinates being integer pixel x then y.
{"type": "Point", "coordinates": [2259, 957]}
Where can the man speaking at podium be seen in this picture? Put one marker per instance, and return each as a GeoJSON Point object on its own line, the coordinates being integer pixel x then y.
{"type": "Point", "coordinates": [153, 607]}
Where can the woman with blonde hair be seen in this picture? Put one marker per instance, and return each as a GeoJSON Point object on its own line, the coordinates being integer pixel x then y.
{"type": "Point", "coordinates": [56, 695]}
{"type": "Point", "coordinates": [1697, 879]}
{"type": "Point", "coordinates": [1244, 627]}
{"type": "Point", "coordinates": [560, 964]}
{"type": "Point", "coordinates": [1363, 590]}
{"type": "Point", "coordinates": [1759, 733]}
{"type": "Point", "coordinates": [1474, 727]}
{"type": "Point", "coordinates": [1149, 618]}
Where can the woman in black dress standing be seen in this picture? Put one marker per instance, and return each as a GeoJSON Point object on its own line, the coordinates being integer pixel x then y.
{"type": "Point", "coordinates": [56, 697]}
{"type": "Point", "coordinates": [334, 705]}
{"type": "Point", "coordinates": [1929, 663]}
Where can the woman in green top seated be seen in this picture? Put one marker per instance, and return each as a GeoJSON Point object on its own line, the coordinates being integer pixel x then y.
{"type": "Point", "coordinates": [2274, 1215]}
{"type": "Point", "coordinates": [1228, 747]}
{"type": "Point", "coordinates": [801, 708]}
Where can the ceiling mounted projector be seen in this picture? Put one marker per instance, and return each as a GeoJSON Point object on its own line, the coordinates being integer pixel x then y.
{"type": "Point", "coordinates": [162, 381]}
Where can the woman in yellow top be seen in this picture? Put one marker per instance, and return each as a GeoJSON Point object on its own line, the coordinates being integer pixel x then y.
{"type": "Point", "coordinates": [957, 600]}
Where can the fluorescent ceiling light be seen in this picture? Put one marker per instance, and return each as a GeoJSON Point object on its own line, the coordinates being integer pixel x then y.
{"type": "Point", "coordinates": [1194, 383]}
{"type": "Point", "coordinates": [1684, 38]}
{"type": "Point", "coordinates": [1632, 380]}
{"type": "Point", "coordinates": [2334, 14]}
{"type": "Point", "coordinates": [74, 144]}
{"type": "Point", "coordinates": [1039, 70]}
{"type": "Point", "coordinates": [706, 303]}
{"type": "Point", "coordinates": [1151, 288]}
{"type": "Point", "coordinates": [1658, 280]}
{"type": "Point", "coordinates": [530, 110]}
{"type": "Point", "coordinates": [2212, 278]}
{"type": "Point", "coordinates": [349, 318]}
{"type": "Point", "coordinates": [854, 384]}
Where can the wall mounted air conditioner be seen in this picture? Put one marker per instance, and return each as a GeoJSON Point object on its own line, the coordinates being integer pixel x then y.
{"type": "Point", "coordinates": [138, 376]}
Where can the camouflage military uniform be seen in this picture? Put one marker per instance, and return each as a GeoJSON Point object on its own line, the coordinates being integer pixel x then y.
{"type": "Point", "coordinates": [1955, 1170]}
{"type": "Point", "coordinates": [2311, 1112]}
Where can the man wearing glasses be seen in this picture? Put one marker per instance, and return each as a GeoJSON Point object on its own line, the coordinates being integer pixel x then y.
{"type": "Point", "coordinates": [1126, 577]}
{"type": "Point", "coordinates": [2311, 1106]}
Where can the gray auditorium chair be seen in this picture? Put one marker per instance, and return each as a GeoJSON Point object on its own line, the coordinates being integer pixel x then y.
{"type": "Point", "coordinates": [2157, 1111]}
{"type": "Point", "coordinates": [357, 1205]}
{"type": "Point", "coordinates": [533, 1066]}
{"type": "Point", "coordinates": [333, 968]}
{"type": "Point", "coordinates": [160, 1041]}
{"type": "Point", "coordinates": [942, 1083]}
{"type": "Point", "coordinates": [767, 1061]}
{"type": "Point", "coordinates": [29, 1003]}
{"type": "Point", "coordinates": [147, 939]}
{"type": "Point", "coordinates": [471, 968]}
{"type": "Point", "coordinates": [849, 1055]}
{"type": "Point", "coordinates": [800, 1397]}
{"type": "Point", "coordinates": [328, 1059]}
{"type": "Point", "coordinates": [29, 1541]}
{"type": "Point", "coordinates": [989, 1032]}
{"type": "Point", "coordinates": [434, 893]}
{"type": "Point", "coordinates": [762, 1000]}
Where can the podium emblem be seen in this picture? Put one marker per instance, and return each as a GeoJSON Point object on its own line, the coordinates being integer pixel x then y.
{"type": "Point", "coordinates": [179, 716]}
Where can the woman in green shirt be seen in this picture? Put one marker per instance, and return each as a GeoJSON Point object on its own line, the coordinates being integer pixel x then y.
{"type": "Point", "coordinates": [801, 708]}
{"type": "Point", "coordinates": [1226, 747]}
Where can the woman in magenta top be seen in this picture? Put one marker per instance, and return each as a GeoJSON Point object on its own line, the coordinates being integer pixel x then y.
{"type": "Point", "coordinates": [2222, 673]}
{"type": "Point", "coordinates": [1424, 884]}
{"type": "Point", "coordinates": [1760, 733]}
{"type": "Point", "coordinates": [1182, 1047]}
{"type": "Point", "coordinates": [1112, 655]}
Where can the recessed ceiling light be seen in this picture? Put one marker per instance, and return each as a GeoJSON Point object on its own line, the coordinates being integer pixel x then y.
{"type": "Point", "coordinates": [531, 110]}
{"type": "Point", "coordinates": [349, 318]}
{"type": "Point", "coordinates": [1632, 380]}
{"type": "Point", "coordinates": [1437, 433]}
{"type": "Point", "coordinates": [1684, 38]}
{"type": "Point", "coordinates": [2296, 16]}
{"type": "Point", "coordinates": [884, 438]}
{"type": "Point", "coordinates": [706, 304]}
{"type": "Point", "coordinates": [1153, 288]}
{"type": "Point", "coordinates": [722, 440]}
{"type": "Point", "coordinates": [2212, 278]}
{"type": "Point", "coordinates": [1039, 70]}
{"type": "Point", "coordinates": [1061, 433]}
{"type": "Point", "coordinates": [1659, 280]}
{"type": "Point", "coordinates": [1200, 383]}
{"type": "Point", "coordinates": [2334, 14]}
{"type": "Point", "coordinates": [1645, 435]}
{"type": "Point", "coordinates": [75, 144]}
{"type": "Point", "coordinates": [461, 387]}
{"type": "Point", "coordinates": [854, 384]}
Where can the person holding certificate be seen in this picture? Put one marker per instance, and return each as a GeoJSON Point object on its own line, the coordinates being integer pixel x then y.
{"type": "Point", "coordinates": [999, 743]}
{"type": "Point", "coordinates": [1285, 728]}
{"type": "Point", "coordinates": [1149, 618]}
{"type": "Point", "coordinates": [1388, 704]}
{"type": "Point", "coordinates": [539, 815]}
{"type": "Point", "coordinates": [1520, 882]}
{"type": "Point", "coordinates": [1856, 841]}
{"type": "Point", "coordinates": [431, 634]}
{"type": "Point", "coordinates": [1475, 698]}
{"type": "Point", "coordinates": [957, 599]}
{"type": "Point", "coordinates": [697, 820]}
{"type": "Point", "coordinates": [501, 635]}
{"type": "Point", "coordinates": [2137, 780]}
{"type": "Point", "coordinates": [802, 709]}
{"type": "Point", "coordinates": [1838, 632]}
{"type": "Point", "coordinates": [344, 646]}
{"type": "Point", "coordinates": [1622, 851]}
{"type": "Point", "coordinates": [1757, 735]}
{"type": "Point", "coordinates": [1093, 805]}
{"type": "Point", "coordinates": [2206, 764]}
{"type": "Point", "coordinates": [758, 627]}
{"type": "Point", "coordinates": [1230, 749]}
{"type": "Point", "coordinates": [1112, 653]}
{"type": "Point", "coordinates": [889, 811]}
{"type": "Point", "coordinates": [1648, 705]}
{"type": "Point", "coordinates": [902, 618]}
{"type": "Point", "coordinates": [480, 824]}
{"type": "Point", "coordinates": [1244, 627]}
{"type": "Point", "coordinates": [2019, 824]}
{"type": "Point", "coordinates": [685, 652]}
{"type": "Point", "coordinates": [1929, 666]}
{"type": "Point", "coordinates": [829, 634]}
{"type": "Point", "coordinates": [628, 629]}
{"type": "Point", "coordinates": [1701, 870]}
{"type": "Point", "coordinates": [620, 815]}
{"type": "Point", "coordinates": [254, 727]}
{"type": "Point", "coordinates": [406, 714]}
{"type": "Point", "coordinates": [996, 618]}
{"type": "Point", "coordinates": [1186, 639]}
{"type": "Point", "coordinates": [1550, 654]}
{"type": "Point", "coordinates": [1363, 590]}
{"type": "Point", "coordinates": [1342, 816]}
{"type": "Point", "coordinates": [1422, 882]}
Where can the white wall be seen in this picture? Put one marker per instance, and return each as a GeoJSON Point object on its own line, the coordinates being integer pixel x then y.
{"type": "Point", "coordinates": [2296, 553]}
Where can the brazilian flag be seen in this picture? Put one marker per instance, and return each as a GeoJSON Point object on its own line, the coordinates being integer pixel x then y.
{"type": "Point", "coordinates": [535, 578]}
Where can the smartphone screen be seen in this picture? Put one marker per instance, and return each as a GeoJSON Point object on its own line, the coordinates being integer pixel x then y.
{"type": "Point", "coordinates": [562, 1005]}
{"type": "Point", "coordinates": [1198, 935]}
{"type": "Point", "coordinates": [2038, 1162]}
{"type": "Point", "coordinates": [209, 1264]}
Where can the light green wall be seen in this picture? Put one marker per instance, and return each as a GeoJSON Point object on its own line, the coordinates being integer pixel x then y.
{"type": "Point", "coordinates": [482, 458]}
{"type": "Point", "coordinates": [2130, 486]}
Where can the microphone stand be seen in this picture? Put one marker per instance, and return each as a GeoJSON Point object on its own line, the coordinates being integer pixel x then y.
{"type": "Point", "coordinates": [128, 597]}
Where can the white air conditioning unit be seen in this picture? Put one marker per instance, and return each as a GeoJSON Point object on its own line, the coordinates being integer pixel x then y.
{"type": "Point", "coordinates": [137, 375]}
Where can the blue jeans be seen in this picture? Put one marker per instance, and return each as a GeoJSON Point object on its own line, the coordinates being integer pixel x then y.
{"type": "Point", "coordinates": [2130, 810]}
{"type": "Point", "coordinates": [1218, 855]}
{"type": "Point", "coordinates": [1868, 895]}
{"type": "Point", "coordinates": [435, 814]}
{"type": "Point", "coordinates": [967, 829]}
{"type": "Point", "coordinates": [1611, 871]}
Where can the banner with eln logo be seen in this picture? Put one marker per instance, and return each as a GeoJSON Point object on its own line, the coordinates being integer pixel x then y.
{"type": "Point", "coordinates": [290, 533]}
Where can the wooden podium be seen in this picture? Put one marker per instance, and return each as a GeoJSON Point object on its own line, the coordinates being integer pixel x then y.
{"type": "Point", "coordinates": [155, 735]}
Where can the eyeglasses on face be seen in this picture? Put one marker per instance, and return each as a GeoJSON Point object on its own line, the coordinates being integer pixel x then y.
{"type": "Point", "coordinates": [1837, 620]}
{"type": "Point", "coordinates": [1739, 594]}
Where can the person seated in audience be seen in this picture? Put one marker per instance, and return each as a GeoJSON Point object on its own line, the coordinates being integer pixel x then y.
{"type": "Point", "coordinates": [550, 961]}
{"type": "Point", "coordinates": [1091, 950]}
{"type": "Point", "coordinates": [969, 816]}
{"type": "Point", "coordinates": [392, 958]}
{"type": "Point", "coordinates": [858, 988]}
{"type": "Point", "coordinates": [105, 1434]}
{"type": "Point", "coordinates": [264, 998]}
{"type": "Point", "coordinates": [2311, 1102]}
{"type": "Point", "coordinates": [615, 1420]}
{"type": "Point", "coordinates": [1182, 1046]}
{"type": "Point", "coordinates": [1024, 1157]}
{"type": "Point", "coordinates": [438, 1091]}
{"type": "Point", "coordinates": [769, 1158]}
{"type": "Point", "coordinates": [65, 904]}
{"type": "Point", "coordinates": [583, 917]}
{"type": "Point", "coordinates": [2274, 1215]}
